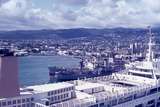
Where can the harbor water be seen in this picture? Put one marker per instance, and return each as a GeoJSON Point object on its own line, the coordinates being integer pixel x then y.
{"type": "Point", "coordinates": [33, 70]}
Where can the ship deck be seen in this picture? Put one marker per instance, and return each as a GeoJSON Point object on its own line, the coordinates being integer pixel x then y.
{"type": "Point", "coordinates": [119, 83]}
{"type": "Point", "coordinates": [113, 87]}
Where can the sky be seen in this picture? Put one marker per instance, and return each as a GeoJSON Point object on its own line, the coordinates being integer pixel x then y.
{"type": "Point", "coordinates": [64, 14]}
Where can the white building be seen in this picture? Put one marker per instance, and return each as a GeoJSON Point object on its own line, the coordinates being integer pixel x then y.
{"type": "Point", "coordinates": [35, 96]}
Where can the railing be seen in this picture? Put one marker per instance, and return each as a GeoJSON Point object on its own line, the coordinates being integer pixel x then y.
{"type": "Point", "coordinates": [75, 103]}
{"type": "Point", "coordinates": [36, 104]}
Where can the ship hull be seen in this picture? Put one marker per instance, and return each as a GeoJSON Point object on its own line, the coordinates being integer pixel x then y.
{"type": "Point", "coordinates": [60, 75]}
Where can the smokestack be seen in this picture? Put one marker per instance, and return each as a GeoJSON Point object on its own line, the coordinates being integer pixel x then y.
{"type": "Point", "coordinates": [9, 84]}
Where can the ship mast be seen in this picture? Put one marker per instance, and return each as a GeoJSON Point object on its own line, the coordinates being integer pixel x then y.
{"type": "Point", "coordinates": [149, 55]}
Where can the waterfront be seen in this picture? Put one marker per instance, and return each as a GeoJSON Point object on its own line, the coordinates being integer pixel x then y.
{"type": "Point", "coordinates": [34, 69]}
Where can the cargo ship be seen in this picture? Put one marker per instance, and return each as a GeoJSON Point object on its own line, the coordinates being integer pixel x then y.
{"type": "Point", "coordinates": [88, 68]}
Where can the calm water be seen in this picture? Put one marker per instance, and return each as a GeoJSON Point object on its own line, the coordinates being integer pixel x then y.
{"type": "Point", "coordinates": [34, 69]}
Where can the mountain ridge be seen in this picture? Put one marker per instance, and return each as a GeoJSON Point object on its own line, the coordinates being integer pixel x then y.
{"type": "Point", "coordinates": [71, 33]}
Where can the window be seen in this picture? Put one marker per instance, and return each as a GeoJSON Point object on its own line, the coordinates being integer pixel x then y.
{"type": "Point", "coordinates": [70, 88]}
{"type": "Point", "coordinates": [9, 103]}
{"type": "Point", "coordinates": [152, 91]}
{"type": "Point", "coordinates": [64, 90]}
{"type": "Point", "coordinates": [109, 105]}
{"type": "Point", "coordinates": [47, 103]}
{"type": "Point", "coordinates": [49, 94]}
{"type": "Point", "coordinates": [151, 102]}
{"type": "Point", "coordinates": [101, 105]}
{"type": "Point", "coordinates": [28, 105]}
{"type": "Point", "coordinates": [51, 98]}
{"type": "Point", "coordinates": [140, 105]}
{"type": "Point", "coordinates": [55, 97]}
{"type": "Point", "coordinates": [159, 89]}
{"type": "Point", "coordinates": [73, 94]}
{"type": "Point", "coordinates": [23, 100]}
{"type": "Point", "coordinates": [62, 96]}
{"type": "Point", "coordinates": [18, 101]}
{"type": "Point", "coordinates": [32, 105]}
{"type": "Point", "coordinates": [32, 99]}
{"type": "Point", "coordinates": [3, 103]}
{"type": "Point", "coordinates": [67, 95]}
{"type": "Point", "coordinates": [19, 106]}
{"type": "Point", "coordinates": [23, 105]}
{"type": "Point", "coordinates": [58, 97]}
{"type": "Point", "coordinates": [14, 101]}
{"type": "Point", "coordinates": [55, 91]}
{"type": "Point", "coordinates": [28, 100]}
{"type": "Point", "coordinates": [114, 102]}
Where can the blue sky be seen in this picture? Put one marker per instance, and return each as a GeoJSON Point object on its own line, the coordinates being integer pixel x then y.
{"type": "Point", "coordinates": [57, 14]}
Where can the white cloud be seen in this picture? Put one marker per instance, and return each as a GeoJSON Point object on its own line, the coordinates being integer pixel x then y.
{"type": "Point", "coordinates": [21, 14]}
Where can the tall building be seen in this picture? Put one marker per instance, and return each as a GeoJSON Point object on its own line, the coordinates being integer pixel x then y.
{"type": "Point", "coordinates": [9, 85]}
